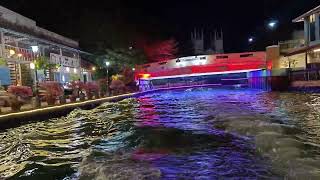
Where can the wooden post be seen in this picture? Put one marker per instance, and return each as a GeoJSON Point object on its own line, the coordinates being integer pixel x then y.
{"type": "Point", "coordinates": [2, 43]}
{"type": "Point", "coordinates": [61, 67]}
{"type": "Point", "coordinates": [306, 61]}
{"type": "Point", "coordinates": [80, 69]}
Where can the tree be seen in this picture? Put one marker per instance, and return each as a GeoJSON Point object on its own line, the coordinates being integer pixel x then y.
{"type": "Point", "coordinates": [119, 59]}
{"type": "Point", "coordinates": [42, 63]}
{"type": "Point", "coordinates": [161, 50]}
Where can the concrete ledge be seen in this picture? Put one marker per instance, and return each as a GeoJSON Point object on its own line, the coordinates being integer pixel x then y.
{"type": "Point", "coordinates": [299, 84]}
{"type": "Point", "coordinates": [14, 119]}
{"type": "Point", "coordinates": [305, 86]}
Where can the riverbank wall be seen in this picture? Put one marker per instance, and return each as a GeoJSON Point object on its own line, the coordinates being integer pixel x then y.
{"type": "Point", "coordinates": [16, 118]}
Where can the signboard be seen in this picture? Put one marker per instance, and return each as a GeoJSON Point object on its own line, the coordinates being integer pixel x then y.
{"type": "Point", "coordinates": [192, 58]}
{"type": "Point", "coordinates": [64, 61]}
{"type": "Point", "coordinates": [5, 76]}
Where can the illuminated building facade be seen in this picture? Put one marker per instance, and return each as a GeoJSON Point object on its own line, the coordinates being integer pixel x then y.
{"type": "Point", "coordinates": [303, 53]}
{"type": "Point", "coordinates": [22, 43]}
{"type": "Point", "coordinates": [218, 69]}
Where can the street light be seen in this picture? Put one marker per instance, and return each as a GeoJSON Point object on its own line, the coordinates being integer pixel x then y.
{"type": "Point", "coordinates": [272, 24]}
{"type": "Point", "coordinates": [37, 102]}
{"type": "Point", "coordinates": [107, 64]}
{"type": "Point", "coordinates": [250, 40]}
{"type": "Point", "coordinates": [35, 49]}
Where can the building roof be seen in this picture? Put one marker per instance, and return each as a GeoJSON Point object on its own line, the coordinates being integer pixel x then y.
{"type": "Point", "coordinates": [303, 16]}
{"type": "Point", "coordinates": [14, 21]}
{"type": "Point", "coordinates": [300, 50]}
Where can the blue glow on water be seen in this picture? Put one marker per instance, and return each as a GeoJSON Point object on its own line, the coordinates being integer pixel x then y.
{"type": "Point", "coordinates": [197, 133]}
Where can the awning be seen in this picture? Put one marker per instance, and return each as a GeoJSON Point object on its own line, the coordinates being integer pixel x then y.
{"type": "Point", "coordinates": [309, 13]}
{"type": "Point", "coordinates": [301, 50]}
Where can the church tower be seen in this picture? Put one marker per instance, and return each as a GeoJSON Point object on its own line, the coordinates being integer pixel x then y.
{"type": "Point", "coordinates": [218, 42]}
{"type": "Point", "coordinates": [197, 38]}
{"type": "Point", "coordinates": [207, 42]}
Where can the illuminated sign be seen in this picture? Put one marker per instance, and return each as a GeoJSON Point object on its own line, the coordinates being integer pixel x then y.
{"type": "Point", "coordinates": [63, 60]}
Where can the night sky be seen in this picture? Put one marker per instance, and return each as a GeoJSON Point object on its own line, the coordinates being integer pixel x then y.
{"type": "Point", "coordinates": [119, 23]}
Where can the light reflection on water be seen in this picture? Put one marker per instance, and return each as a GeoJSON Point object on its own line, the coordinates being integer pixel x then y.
{"type": "Point", "coordinates": [191, 134]}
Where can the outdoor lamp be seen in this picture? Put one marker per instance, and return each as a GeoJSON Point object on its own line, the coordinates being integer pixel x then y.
{"type": "Point", "coordinates": [107, 63]}
{"type": "Point", "coordinates": [32, 66]}
{"type": "Point", "coordinates": [272, 24]}
{"type": "Point", "coordinates": [35, 49]}
{"type": "Point", "coordinates": [12, 52]}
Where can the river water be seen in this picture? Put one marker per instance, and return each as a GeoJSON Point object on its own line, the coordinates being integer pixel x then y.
{"type": "Point", "coordinates": [197, 133]}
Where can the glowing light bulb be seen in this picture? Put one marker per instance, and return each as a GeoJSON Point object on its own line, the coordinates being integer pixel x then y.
{"type": "Point", "coordinates": [32, 66]}
{"type": "Point", "coordinates": [12, 52]}
{"type": "Point", "coordinates": [35, 49]}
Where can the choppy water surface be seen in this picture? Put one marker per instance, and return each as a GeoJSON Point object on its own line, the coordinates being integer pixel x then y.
{"type": "Point", "coordinates": [187, 134]}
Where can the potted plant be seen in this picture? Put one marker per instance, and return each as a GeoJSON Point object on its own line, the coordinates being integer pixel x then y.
{"type": "Point", "coordinates": [52, 90]}
{"type": "Point", "coordinates": [117, 86]}
{"type": "Point", "coordinates": [102, 87]}
{"type": "Point", "coordinates": [14, 103]}
{"type": "Point", "coordinates": [73, 98]}
{"type": "Point", "coordinates": [82, 96]}
{"type": "Point", "coordinates": [19, 95]}
{"type": "Point", "coordinates": [63, 99]}
{"type": "Point", "coordinates": [78, 88]}
{"type": "Point", "coordinates": [91, 88]}
{"type": "Point", "coordinates": [96, 95]}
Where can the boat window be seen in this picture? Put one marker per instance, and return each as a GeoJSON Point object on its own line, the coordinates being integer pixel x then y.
{"type": "Point", "coordinates": [222, 57]}
{"type": "Point", "coordinates": [246, 55]}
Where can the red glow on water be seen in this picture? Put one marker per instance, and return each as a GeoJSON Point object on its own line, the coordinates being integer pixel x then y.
{"type": "Point", "coordinates": [147, 112]}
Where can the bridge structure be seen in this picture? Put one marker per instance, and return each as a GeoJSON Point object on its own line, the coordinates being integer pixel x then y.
{"type": "Point", "coordinates": [250, 69]}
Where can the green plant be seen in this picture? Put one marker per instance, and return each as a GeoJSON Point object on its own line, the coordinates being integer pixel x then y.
{"type": "Point", "coordinates": [103, 85]}
{"type": "Point", "coordinates": [3, 62]}
{"type": "Point", "coordinates": [52, 90]}
{"type": "Point", "coordinates": [91, 89]}
{"type": "Point", "coordinates": [74, 77]}
{"type": "Point", "coordinates": [43, 63]}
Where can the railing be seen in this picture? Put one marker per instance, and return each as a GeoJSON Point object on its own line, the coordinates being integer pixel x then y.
{"type": "Point", "coordinates": [18, 53]}
{"type": "Point", "coordinates": [305, 75]}
{"type": "Point", "coordinates": [286, 46]}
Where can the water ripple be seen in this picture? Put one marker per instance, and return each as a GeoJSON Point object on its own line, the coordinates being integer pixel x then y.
{"type": "Point", "coordinates": [195, 134]}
